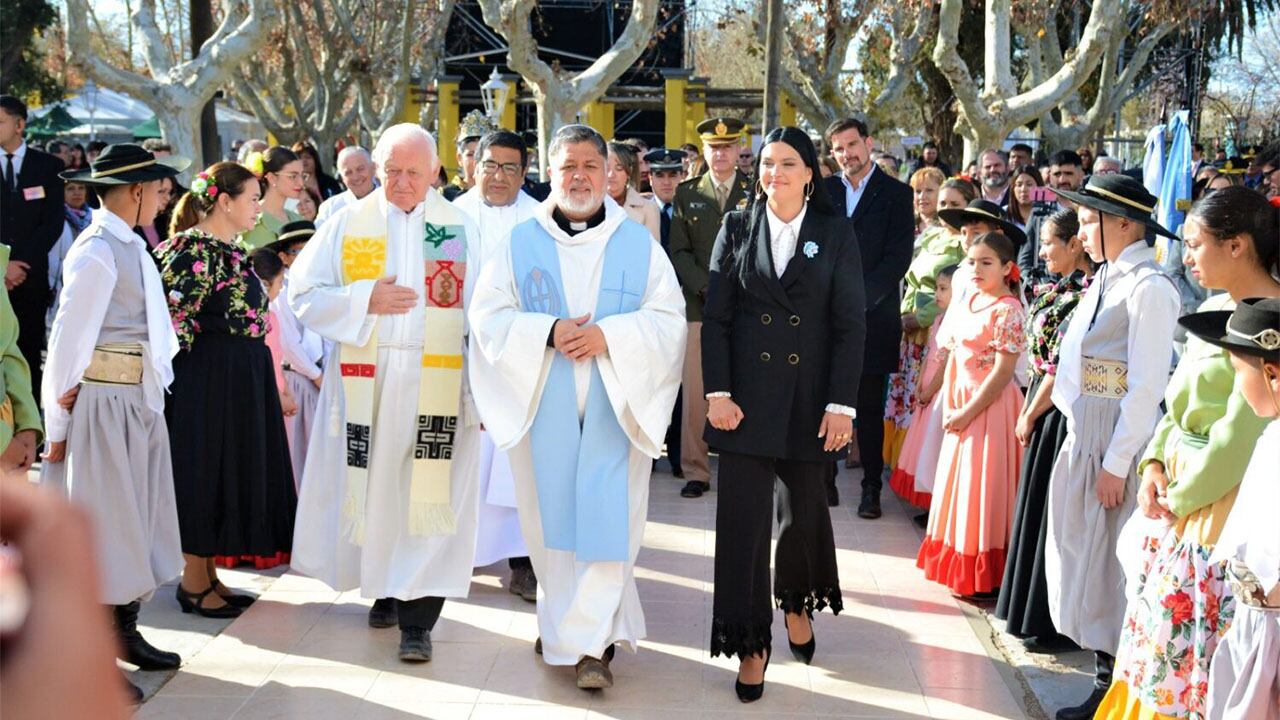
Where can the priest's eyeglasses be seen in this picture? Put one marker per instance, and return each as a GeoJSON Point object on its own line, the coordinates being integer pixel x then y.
{"type": "Point", "coordinates": [490, 167]}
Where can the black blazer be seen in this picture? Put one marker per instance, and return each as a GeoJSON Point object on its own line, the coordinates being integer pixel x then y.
{"type": "Point", "coordinates": [885, 226]}
{"type": "Point", "coordinates": [32, 227]}
{"type": "Point", "coordinates": [783, 347]}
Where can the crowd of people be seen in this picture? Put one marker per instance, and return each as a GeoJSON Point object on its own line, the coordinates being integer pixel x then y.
{"type": "Point", "coordinates": [391, 378]}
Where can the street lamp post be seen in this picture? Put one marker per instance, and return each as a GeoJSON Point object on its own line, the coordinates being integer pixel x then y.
{"type": "Point", "coordinates": [90, 91]}
{"type": "Point", "coordinates": [493, 93]}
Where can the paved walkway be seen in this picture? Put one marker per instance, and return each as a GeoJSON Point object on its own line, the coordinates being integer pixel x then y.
{"type": "Point", "coordinates": [902, 648]}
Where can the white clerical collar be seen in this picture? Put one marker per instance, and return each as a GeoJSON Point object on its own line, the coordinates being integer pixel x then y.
{"type": "Point", "coordinates": [776, 223]}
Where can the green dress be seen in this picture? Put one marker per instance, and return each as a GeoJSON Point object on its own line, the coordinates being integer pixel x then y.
{"type": "Point", "coordinates": [266, 230]}
{"type": "Point", "coordinates": [18, 409]}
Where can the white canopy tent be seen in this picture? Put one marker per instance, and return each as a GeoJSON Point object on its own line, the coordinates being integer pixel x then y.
{"type": "Point", "coordinates": [111, 108]}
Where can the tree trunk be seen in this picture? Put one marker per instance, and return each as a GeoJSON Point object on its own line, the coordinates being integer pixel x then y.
{"type": "Point", "coordinates": [554, 112]}
{"type": "Point", "coordinates": [201, 21]}
{"type": "Point", "coordinates": [180, 124]}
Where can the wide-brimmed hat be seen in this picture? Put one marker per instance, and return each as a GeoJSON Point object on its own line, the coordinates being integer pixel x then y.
{"type": "Point", "coordinates": [1118, 195]}
{"type": "Point", "coordinates": [292, 233]}
{"type": "Point", "coordinates": [126, 164]}
{"type": "Point", "coordinates": [1253, 328]}
{"type": "Point", "coordinates": [983, 211]}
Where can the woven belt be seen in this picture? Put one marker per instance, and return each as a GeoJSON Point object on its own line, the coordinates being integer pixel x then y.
{"type": "Point", "coordinates": [1104, 378]}
{"type": "Point", "coordinates": [115, 365]}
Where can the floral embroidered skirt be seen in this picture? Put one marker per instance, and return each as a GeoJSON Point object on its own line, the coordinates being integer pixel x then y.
{"type": "Point", "coordinates": [902, 395]}
{"type": "Point", "coordinates": [1182, 607]}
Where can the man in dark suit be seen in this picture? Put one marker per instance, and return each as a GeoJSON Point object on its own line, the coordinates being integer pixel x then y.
{"type": "Point", "coordinates": [666, 170]}
{"type": "Point", "coordinates": [880, 207]}
{"type": "Point", "coordinates": [700, 204]}
{"type": "Point", "coordinates": [31, 220]}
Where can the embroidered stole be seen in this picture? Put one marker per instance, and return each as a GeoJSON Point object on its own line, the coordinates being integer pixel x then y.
{"type": "Point", "coordinates": [580, 466]}
{"type": "Point", "coordinates": [364, 257]}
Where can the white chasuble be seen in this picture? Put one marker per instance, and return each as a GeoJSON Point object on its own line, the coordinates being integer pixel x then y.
{"type": "Point", "coordinates": [498, 533]}
{"type": "Point", "coordinates": [368, 514]}
{"type": "Point", "coordinates": [583, 607]}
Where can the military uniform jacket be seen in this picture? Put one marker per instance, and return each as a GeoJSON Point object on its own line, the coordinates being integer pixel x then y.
{"type": "Point", "coordinates": [784, 347]}
{"type": "Point", "coordinates": [695, 223]}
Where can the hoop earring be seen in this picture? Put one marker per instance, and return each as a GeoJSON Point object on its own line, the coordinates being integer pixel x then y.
{"type": "Point", "coordinates": [759, 188]}
{"type": "Point", "coordinates": [808, 189]}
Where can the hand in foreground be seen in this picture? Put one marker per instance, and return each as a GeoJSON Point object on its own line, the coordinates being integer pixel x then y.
{"type": "Point", "coordinates": [585, 343]}
{"type": "Point", "coordinates": [565, 330]}
{"type": "Point", "coordinates": [68, 400]}
{"type": "Point", "coordinates": [1022, 430]}
{"type": "Point", "coordinates": [837, 431]}
{"type": "Point", "coordinates": [723, 413]}
{"type": "Point", "coordinates": [1151, 493]}
{"type": "Point", "coordinates": [288, 406]}
{"type": "Point", "coordinates": [41, 678]}
{"type": "Point", "coordinates": [17, 458]}
{"type": "Point", "coordinates": [15, 274]}
{"type": "Point", "coordinates": [55, 452]}
{"type": "Point", "coordinates": [957, 421]}
{"type": "Point", "coordinates": [388, 298]}
{"type": "Point", "coordinates": [910, 323]}
{"type": "Point", "coordinates": [1110, 489]}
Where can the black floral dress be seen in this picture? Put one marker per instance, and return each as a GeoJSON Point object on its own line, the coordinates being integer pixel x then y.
{"type": "Point", "coordinates": [231, 468]}
{"type": "Point", "coordinates": [1024, 601]}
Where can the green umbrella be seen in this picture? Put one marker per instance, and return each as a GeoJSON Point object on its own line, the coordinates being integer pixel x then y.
{"type": "Point", "coordinates": [148, 129]}
{"type": "Point", "coordinates": [52, 124]}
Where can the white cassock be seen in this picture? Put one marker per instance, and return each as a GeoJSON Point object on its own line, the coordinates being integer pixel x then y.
{"type": "Point", "coordinates": [583, 607]}
{"type": "Point", "coordinates": [392, 562]}
{"type": "Point", "coordinates": [498, 534]}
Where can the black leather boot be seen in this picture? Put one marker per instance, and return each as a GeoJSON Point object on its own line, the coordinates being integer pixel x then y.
{"type": "Point", "coordinates": [137, 650]}
{"type": "Point", "coordinates": [384, 613]}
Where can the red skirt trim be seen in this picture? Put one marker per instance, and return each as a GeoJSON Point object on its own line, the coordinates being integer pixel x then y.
{"type": "Point", "coordinates": [964, 574]}
{"type": "Point", "coordinates": [259, 562]}
{"type": "Point", "coordinates": [904, 483]}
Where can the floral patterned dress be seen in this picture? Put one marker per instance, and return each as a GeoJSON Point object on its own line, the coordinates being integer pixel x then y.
{"type": "Point", "coordinates": [978, 467]}
{"type": "Point", "coordinates": [232, 474]}
{"type": "Point", "coordinates": [1180, 601]}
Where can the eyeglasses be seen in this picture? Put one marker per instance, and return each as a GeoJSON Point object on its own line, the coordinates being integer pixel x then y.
{"type": "Point", "coordinates": [490, 167]}
{"type": "Point", "coordinates": [296, 176]}
{"type": "Point", "coordinates": [744, 156]}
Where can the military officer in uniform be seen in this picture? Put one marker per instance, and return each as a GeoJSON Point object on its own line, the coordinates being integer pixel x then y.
{"type": "Point", "coordinates": [474, 126]}
{"type": "Point", "coordinates": [666, 170]}
{"type": "Point", "coordinates": [699, 205]}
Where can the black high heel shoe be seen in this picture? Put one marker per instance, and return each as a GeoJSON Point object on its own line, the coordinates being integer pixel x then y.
{"type": "Point", "coordinates": [803, 653]}
{"type": "Point", "coordinates": [194, 603]}
{"type": "Point", "coordinates": [751, 693]}
{"type": "Point", "coordinates": [234, 599]}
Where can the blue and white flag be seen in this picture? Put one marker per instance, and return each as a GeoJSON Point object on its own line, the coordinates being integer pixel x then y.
{"type": "Point", "coordinates": [1175, 185]}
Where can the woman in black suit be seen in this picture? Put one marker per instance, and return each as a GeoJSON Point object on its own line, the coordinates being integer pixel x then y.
{"type": "Point", "coordinates": [782, 343]}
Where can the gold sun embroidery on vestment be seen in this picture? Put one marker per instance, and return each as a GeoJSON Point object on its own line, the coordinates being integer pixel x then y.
{"type": "Point", "coordinates": [363, 258]}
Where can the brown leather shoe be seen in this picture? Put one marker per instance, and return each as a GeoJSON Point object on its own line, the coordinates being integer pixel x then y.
{"type": "Point", "coordinates": [594, 674]}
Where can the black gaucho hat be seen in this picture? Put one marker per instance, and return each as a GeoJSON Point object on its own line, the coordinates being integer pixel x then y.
{"type": "Point", "coordinates": [983, 211]}
{"type": "Point", "coordinates": [292, 233]}
{"type": "Point", "coordinates": [126, 164]}
{"type": "Point", "coordinates": [1118, 195]}
{"type": "Point", "coordinates": [1253, 328]}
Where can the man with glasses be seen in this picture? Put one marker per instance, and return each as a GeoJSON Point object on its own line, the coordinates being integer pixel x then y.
{"type": "Point", "coordinates": [497, 204]}
{"type": "Point", "coordinates": [700, 204]}
{"type": "Point", "coordinates": [746, 161]}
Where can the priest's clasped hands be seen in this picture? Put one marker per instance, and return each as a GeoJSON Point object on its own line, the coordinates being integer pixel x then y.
{"type": "Point", "coordinates": [577, 340]}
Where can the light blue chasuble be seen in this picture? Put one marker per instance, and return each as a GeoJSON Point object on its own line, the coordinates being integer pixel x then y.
{"type": "Point", "coordinates": [580, 468]}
